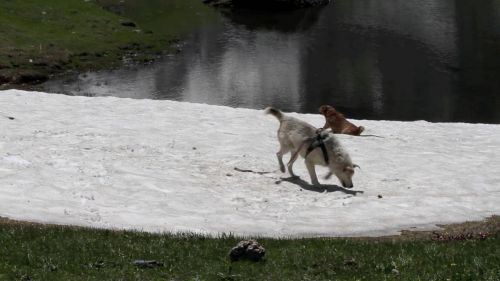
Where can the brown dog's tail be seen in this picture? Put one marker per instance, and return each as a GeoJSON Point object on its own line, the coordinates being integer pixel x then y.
{"type": "Point", "coordinates": [273, 111]}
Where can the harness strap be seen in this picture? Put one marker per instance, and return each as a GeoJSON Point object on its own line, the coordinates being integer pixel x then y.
{"type": "Point", "coordinates": [314, 142]}
{"type": "Point", "coordinates": [319, 141]}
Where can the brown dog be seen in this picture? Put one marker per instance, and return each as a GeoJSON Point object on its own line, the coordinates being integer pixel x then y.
{"type": "Point", "coordinates": [338, 123]}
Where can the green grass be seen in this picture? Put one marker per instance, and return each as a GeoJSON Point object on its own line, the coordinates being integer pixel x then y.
{"type": "Point", "coordinates": [41, 252]}
{"type": "Point", "coordinates": [166, 17]}
{"type": "Point", "coordinates": [52, 36]}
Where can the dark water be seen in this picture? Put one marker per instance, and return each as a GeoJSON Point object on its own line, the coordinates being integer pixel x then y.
{"type": "Point", "coordinates": [436, 60]}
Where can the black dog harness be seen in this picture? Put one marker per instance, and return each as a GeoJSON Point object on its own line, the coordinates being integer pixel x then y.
{"type": "Point", "coordinates": [319, 141]}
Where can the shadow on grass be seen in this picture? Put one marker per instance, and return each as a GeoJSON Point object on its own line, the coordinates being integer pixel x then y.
{"type": "Point", "coordinates": [323, 188]}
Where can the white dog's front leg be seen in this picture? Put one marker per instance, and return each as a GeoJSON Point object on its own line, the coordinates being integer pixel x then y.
{"type": "Point", "coordinates": [290, 169]}
{"type": "Point", "coordinates": [312, 173]}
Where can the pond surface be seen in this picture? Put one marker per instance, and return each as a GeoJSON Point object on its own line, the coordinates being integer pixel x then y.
{"type": "Point", "coordinates": [436, 60]}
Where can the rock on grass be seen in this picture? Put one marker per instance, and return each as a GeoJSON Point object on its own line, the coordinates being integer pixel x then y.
{"type": "Point", "coordinates": [247, 249]}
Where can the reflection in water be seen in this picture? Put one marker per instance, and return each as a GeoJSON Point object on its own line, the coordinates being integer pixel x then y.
{"type": "Point", "coordinates": [267, 73]}
{"type": "Point", "coordinates": [289, 21]}
{"type": "Point", "coordinates": [437, 60]}
{"type": "Point", "coordinates": [478, 76]}
{"type": "Point", "coordinates": [383, 67]}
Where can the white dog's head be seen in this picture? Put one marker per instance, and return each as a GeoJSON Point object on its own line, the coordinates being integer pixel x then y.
{"type": "Point", "coordinates": [340, 165]}
{"type": "Point", "coordinates": [343, 172]}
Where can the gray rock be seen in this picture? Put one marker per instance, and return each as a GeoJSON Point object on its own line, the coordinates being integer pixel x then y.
{"type": "Point", "coordinates": [147, 263]}
{"type": "Point", "coordinates": [247, 249]}
{"type": "Point", "coordinates": [128, 23]}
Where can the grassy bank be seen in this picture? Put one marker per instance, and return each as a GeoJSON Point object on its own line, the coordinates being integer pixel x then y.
{"type": "Point", "coordinates": [41, 252]}
{"type": "Point", "coordinates": [42, 38]}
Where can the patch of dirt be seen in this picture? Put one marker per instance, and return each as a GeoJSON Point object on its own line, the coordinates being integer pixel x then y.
{"type": "Point", "coordinates": [470, 230]}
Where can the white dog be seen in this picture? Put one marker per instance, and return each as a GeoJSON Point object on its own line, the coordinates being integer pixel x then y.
{"type": "Point", "coordinates": [316, 146]}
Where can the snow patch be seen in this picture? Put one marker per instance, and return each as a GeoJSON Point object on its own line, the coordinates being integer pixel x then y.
{"type": "Point", "coordinates": [174, 166]}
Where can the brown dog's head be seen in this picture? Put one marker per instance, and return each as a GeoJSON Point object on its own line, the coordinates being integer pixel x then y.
{"type": "Point", "coordinates": [325, 109]}
{"type": "Point", "coordinates": [330, 111]}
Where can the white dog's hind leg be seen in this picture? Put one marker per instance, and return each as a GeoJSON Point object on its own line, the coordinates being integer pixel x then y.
{"type": "Point", "coordinates": [312, 173]}
{"type": "Point", "coordinates": [294, 157]}
{"type": "Point", "coordinates": [280, 154]}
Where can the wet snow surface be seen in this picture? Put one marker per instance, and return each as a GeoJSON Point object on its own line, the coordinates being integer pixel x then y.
{"type": "Point", "coordinates": [170, 166]}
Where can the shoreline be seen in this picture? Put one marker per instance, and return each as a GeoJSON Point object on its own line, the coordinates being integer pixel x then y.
{"type": "Point", "coordinates": [66, 37]}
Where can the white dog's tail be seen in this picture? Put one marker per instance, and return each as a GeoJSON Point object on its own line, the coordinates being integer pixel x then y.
{"type": "Point", "coordinates": [273, 111]}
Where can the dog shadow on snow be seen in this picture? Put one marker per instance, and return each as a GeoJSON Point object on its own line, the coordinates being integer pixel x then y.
{"type": "Point", "coordinates": [323, 188]}
{"type": "Point", "coordinates": [305, 185]}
